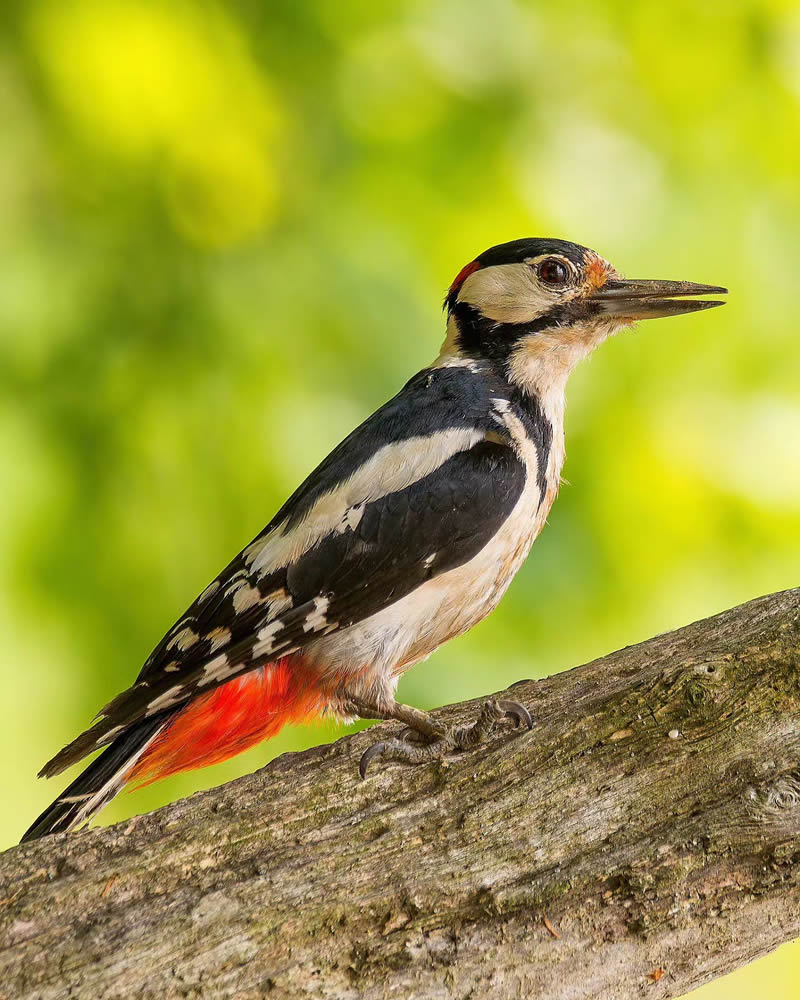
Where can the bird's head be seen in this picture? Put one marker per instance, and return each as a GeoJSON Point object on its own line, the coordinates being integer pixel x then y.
{"type": "Point", "coordinates": [537, 306]}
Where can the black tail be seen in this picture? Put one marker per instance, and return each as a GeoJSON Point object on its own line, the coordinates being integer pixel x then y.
{"type": "Point", "coordinates": [98, 784]}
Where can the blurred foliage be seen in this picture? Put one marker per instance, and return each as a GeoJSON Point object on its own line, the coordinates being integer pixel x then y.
{"type": "Point", "coordinates": [226, 230]}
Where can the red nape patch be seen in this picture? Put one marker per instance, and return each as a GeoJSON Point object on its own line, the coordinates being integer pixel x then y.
{"type": "Point", "coordinates": [230, 719]}
{"type": "Point", "coordinates": [463, 274]}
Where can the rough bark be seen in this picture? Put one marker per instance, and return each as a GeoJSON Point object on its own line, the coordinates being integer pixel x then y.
{"type": "Point", "coordinates": [644, 838]}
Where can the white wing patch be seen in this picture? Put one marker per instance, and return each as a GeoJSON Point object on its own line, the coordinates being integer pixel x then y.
{"type": "Point", "coordinates": [352, 518]}
{"type": "Point", "coordinates": [393, 467]}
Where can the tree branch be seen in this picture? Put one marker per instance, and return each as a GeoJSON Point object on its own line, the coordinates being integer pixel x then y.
{"type": "Point", "coordinates": [644, 838]}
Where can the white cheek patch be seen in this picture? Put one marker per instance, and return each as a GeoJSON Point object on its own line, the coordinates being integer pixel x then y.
{"type": "Point", "coordinates": [507, 293]}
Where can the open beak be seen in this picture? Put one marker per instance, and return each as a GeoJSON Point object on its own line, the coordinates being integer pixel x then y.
{"type": "Point", "coordinates": [632, 300]}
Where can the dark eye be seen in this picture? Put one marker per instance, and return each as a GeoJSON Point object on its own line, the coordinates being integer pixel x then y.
{"type": "Point", "coordinates": [554, 272]}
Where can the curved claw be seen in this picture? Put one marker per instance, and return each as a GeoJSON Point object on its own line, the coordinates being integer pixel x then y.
{"type": "Point", "coordinates": [517, 712]}
{"type": "Point", "coordinates": [374, 751]}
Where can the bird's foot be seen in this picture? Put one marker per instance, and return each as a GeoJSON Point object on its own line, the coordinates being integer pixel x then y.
{"type": "Point", "coordinates": [417, 746]}
{"type": "Point", "coordinates": [494, 710]}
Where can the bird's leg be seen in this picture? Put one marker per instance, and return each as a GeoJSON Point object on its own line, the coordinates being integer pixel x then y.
{"type": "Point", "coordinates": [434, 739]}
{"type": "Point", "coordinates": [415, 719]}
{"type": "Point", "coordinates": [430, 736]}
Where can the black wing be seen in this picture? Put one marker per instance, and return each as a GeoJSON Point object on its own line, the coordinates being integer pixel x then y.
{"type": "Point", "coordinates": [401, 540]}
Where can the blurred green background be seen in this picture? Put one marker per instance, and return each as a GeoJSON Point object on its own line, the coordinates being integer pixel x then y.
{"type": "Point", "coordinates": [225, 233]}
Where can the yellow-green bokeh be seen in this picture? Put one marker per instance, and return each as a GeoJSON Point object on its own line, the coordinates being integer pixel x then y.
{"type": "Point", "coordinates": [225, 231]}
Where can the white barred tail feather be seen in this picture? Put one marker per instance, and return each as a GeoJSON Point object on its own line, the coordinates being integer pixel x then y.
{"type": "Point", "coordinates": [97, 784]}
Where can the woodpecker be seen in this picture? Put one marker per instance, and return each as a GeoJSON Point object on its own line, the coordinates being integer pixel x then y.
{"type": "Point", "coordinates": [405, 536]}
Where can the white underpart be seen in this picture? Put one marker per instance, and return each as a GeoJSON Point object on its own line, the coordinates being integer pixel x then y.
{"type": "Point", "coordinates": [393, 467]}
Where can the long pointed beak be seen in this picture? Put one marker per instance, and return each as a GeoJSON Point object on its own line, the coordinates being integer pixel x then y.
{"type": "Point", "coordinates": [633, 300]}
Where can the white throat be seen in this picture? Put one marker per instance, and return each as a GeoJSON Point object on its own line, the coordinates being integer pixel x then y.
{"type": "Point", "coordinates": [541, 365]}
{"type": "Point", "coordinates": [542, 362]}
